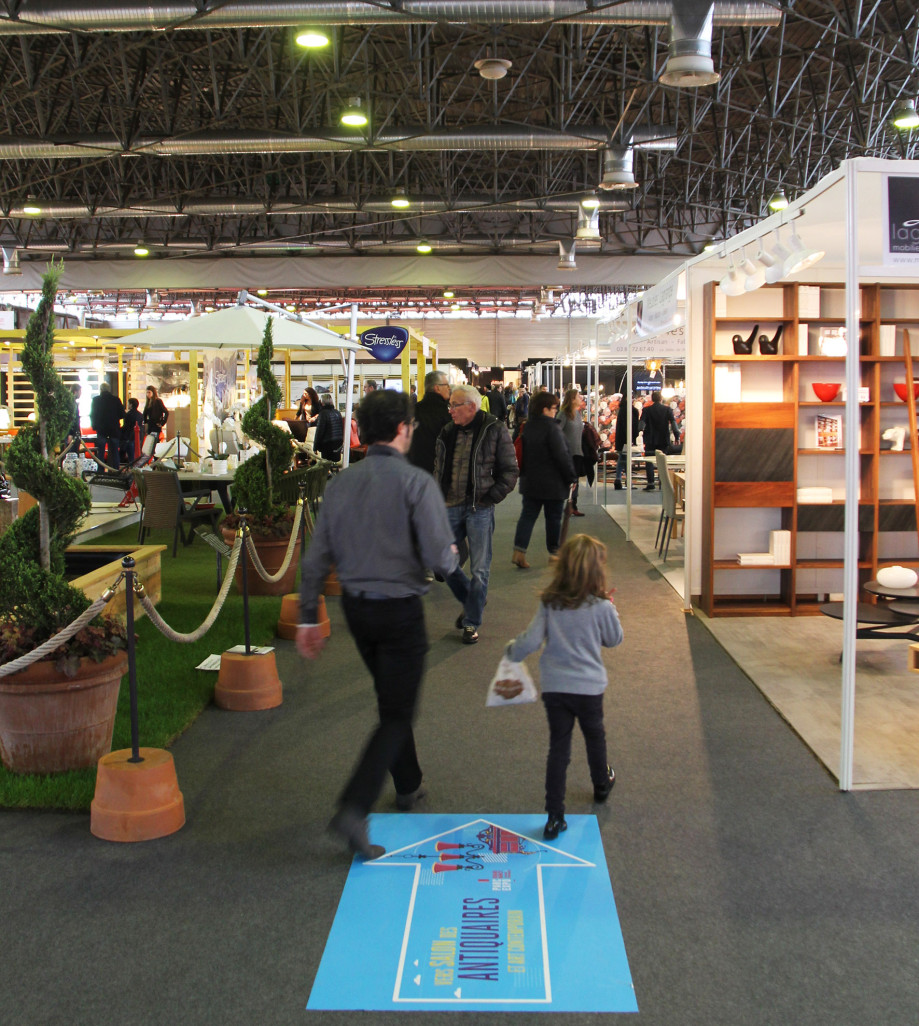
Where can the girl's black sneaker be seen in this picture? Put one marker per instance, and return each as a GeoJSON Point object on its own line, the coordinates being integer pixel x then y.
{"type": "Point", "coordinates": [601, 792]}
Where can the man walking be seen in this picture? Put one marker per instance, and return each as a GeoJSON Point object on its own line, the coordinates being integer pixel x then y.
{"type": "Point", "coordinates": [432, 412]}
{"type": "Point", "coordinates": [476, 467]}
{"type": "Point", "coordinates": [382, 522]}
{"type": "Point", "coordinates": [657, 422]}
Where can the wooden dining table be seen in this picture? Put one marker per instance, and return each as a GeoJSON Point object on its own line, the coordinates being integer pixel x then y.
{"type": "Point", "coordinates": [194, 480]}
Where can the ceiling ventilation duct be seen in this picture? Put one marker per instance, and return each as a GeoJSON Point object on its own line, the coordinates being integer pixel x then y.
{"type": "Point", "coordinates": [690, 62]}
{"type": "Point", "coordinates": [588, 226]}
{"type": "Point", "coordinates": [566, 260]}
{"type": "Point", "coordinates": [11, 261]}
{"type": "Point", "coordinates": [618, 172]}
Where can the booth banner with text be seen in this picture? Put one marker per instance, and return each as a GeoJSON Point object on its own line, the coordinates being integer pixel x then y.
{"type": "Point", "coordinates": [668, 345]}
{"type": "Point", "coordinates": [901, 240]}
{"type": "Point", "coordinates": [386, 343]}
{"type": "Point", "coordinates": [658, 306]}
{"type": "Point", "coordinates": [475, 914]}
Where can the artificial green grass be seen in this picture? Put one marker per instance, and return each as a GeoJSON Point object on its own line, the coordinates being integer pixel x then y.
{"type": "Point", "coordinates": [171, 692]}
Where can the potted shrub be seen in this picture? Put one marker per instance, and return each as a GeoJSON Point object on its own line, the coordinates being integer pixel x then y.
{"type": "Point", "coordinates": [58, 713]}
{"type": "Point", "coordinates": [256, 482]}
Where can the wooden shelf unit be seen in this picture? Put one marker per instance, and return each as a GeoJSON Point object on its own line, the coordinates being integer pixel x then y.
{"type": "Point", "coordinates": [761, 447]}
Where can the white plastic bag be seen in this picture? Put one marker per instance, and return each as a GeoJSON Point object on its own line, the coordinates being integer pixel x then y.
{"type": "Point", "coordinates": [511, 684]}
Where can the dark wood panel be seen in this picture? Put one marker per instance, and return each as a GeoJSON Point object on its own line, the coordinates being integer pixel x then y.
{"type": "Point", "coordinates": [763, 415]}
{"type": "Point", "coordinates": [897, 518]}
{"type": "Point", "coordinates": [754, 454]}
{"type": "Point", "coordinates": [823, 517]}
{"type": "Point", "coordinates": [754, 493]}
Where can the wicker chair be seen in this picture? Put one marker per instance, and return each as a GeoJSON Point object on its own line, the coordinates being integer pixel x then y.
{"type": "Point", "coordinates": [165, 506]}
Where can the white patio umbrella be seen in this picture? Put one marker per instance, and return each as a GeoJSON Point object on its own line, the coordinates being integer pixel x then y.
{"type": "Point", "coordinates": [242, 327]}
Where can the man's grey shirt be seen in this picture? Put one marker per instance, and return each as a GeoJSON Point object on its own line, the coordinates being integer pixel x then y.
{"type": "Point", "coordinates": [382, 523]}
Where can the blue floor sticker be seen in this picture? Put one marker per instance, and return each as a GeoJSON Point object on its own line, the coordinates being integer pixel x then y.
{"type": "Point", "coordinates": [475, 914]}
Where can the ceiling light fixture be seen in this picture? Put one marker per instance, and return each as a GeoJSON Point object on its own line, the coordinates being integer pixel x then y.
{"type": "Point", "coordinates": [589, 201]}
{"type": "Point", "coordinates": [400, 201]}
{"type": "Point", "coordinates": [353, 116]}
{"type": "Point", "coordinates": [778, 200]}
{"type": "Point", "coordinates": [449, 293]}
{"type": "Point", "coordinates": [423, 246]}
{"type": "Point", "coordinates": [312, 38]}
{"type": "Point", "coordinates": [904, 115]}
{"type": "Point", "coordinates": [732, 284]}
{"type": "Point", "coordinates": [492, 68]}
{"type": "Point", "coordinates": [618, 168]}
{"type": "Point", "coordinates": [140, 250]}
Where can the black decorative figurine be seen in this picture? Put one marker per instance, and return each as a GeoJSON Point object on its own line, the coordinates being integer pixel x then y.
{"type": "Point", "coordinates": [743, 347]}
{"type": "Point", "coordinates": [768, 348]}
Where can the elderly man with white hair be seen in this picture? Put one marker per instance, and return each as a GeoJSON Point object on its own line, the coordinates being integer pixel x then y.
{"type": "Point", "coordinates": [474, 463]}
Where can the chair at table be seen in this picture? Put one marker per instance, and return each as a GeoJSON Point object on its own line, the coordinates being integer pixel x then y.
{"type": "Point", "coordinates": [670, 513]}
{"type": "Point", "coordinates": [165, 506]}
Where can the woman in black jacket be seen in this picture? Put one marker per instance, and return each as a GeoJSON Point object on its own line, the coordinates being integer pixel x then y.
{"type": "Point", "coordinates": [155, 417]}
{"type": "Point", "coordinates": [546, 475]}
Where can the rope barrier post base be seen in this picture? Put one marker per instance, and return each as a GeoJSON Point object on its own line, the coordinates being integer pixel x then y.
{"type": "Point", "coordinates": [248, 681]}
{"type": "Point", "coordinates": [137, 796]}
{"type": "Point", "coordinates": [290, 617]}
{"type": "Point", "coordinates": [136, 801]}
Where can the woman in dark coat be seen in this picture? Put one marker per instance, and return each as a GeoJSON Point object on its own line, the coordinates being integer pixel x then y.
{"type": "Point", "coordinates": [155, 416]}
{"type": "Point", "coordinates": [546, 475]}
{"type": "Point", "coordinates": [329, 430]}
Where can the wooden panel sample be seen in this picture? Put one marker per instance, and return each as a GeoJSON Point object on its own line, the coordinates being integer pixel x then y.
{"type": "Point", "coordinates": [754, 493]}
{"type": "Point", "coordinates": [763, 415]}
{"type": "Point", "coordinates": [754, 454]}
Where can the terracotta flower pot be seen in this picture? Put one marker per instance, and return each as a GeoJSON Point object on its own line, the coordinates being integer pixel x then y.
{"type": "Point", "coordinates": [50, 723]}
{"type": "Point", "coordinates": [271, 551]}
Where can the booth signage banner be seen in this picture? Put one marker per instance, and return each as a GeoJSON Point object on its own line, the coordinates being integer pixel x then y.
{"type": "Point", "coordinates": [477, 915]}
{"type": "Point", "coordinates": [901, 244]}
{"type": "Point", "coordinates": [385, 343]}
{"type": "Point", "coordinates": [657, 306]}
{"type": "Point", "coordinates": [669, 346]}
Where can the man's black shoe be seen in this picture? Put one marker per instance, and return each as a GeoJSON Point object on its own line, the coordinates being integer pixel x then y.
{"type": "Point", "coordinates": [617, 485]}
{"type": "Point", "coordinates": [352, 826]}
{"type": "Point", "coordinates": [407, 802]}
{"type": "Point", "coordinates": [470, 636]}
{"type": "Point", "coordinates": [554, 826]}
{"type": "Point", "coordinates": [649, 488]}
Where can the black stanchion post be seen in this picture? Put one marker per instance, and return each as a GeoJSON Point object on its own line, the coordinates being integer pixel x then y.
{"type": "Point", "coordinates": [127, 565]}
{"type": "Point", "coordinates": [302, 488]}
{"type": "Point", "coordinates": [244, 558]}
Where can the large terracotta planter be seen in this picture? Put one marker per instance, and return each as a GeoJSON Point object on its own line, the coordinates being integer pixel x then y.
{"type": "Point", "coordinates": [50, 723]}
{"type": "Point", "coordinates": [271, 551]}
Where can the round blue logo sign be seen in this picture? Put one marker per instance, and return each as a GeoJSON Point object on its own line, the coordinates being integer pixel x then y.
{"type": "Point", "coordinates": [386, 343]}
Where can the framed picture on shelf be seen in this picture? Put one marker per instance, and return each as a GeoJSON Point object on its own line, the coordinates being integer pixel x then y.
{"type": "Point", "coordinates": [829, 432]}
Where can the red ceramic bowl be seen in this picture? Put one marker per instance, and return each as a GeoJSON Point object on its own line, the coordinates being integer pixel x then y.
{"type": "Point", "coordinates": [826, 390]}
{"type": "Point", "coordinates": [900, 388]}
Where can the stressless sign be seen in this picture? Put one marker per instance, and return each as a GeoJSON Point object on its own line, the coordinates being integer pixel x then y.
{"type": "Point", "coordinates": [386, 343]}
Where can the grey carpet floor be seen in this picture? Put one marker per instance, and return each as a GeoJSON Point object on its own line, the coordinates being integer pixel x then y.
{"type": "Point", "coordinates": [749, 889]}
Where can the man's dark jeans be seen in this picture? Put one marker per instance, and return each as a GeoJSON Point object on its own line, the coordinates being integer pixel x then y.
{"type": "Point", "coordinates": [391, 638]}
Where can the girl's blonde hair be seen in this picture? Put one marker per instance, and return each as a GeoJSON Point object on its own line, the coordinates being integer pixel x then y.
{"type": "Point", "coordinates": [568, 402]}
{"type": "Point", "coordinates": [579, 573]}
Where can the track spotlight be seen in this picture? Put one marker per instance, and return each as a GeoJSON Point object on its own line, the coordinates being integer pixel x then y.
{"type": "Point", "coordinates": [801, 256]}
{"type": "Point", "coordinates": [732, 284]}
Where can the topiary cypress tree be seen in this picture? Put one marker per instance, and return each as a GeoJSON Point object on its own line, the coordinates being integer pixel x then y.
{"type": "Point", "coordinates": [254, 482]}
{"type": "Point", "coordinates": [33, 592]}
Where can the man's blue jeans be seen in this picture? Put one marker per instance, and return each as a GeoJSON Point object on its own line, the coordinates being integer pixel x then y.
{"type": "Point", "coordinates": [476, 526]}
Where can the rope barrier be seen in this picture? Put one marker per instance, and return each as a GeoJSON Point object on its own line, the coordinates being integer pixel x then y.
{"type": "Point", "coordinates": [208, 622]}
{"type": "Point", "coordinates": [292, 544]}
{"type": "Point", "coordinates": [20, 663]}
